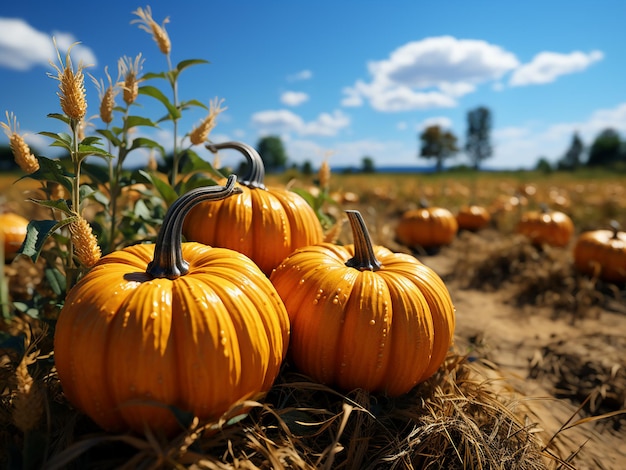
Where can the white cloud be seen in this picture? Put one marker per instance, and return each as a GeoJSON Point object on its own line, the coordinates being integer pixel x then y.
{"type": "Point", "coordinates": [22, 47]}
{"type": "Point", "coordinates": [397, 98]}
{"type": "Point", "coordinates": [284, 121]}
{"type": "Point", "coordinates": [299, 76]}
{"type": "Point", "coordinates": [430, 73]}
{"type": "Point", "coordinates": [546, 67]}
{"type": "Point", "coordinates": [441, 121]}
{"type": "Point", "coordinates": [293, 98]}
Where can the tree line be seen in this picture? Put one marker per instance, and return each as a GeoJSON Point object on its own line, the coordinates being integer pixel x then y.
{"type": "Point", "coordinates": [608, 149]}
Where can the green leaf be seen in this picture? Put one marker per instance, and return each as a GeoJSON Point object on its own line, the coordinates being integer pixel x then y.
{"type": "Point", "coordinates": [85, 151]}
{"type": "Point", "coordinates": [99, 174]}
{"type": "Point", "coordinates": [197, 180]}
{"type": "Point", "coordinates": [59, 204]}
{"type": "Point", "coordinates": [90, 140]}
{"type": "Point", "coordinates": [110, 136]}
{"type": "Point", "coordinates": [151, 75]}
{"type": "Point", "coordinates": [59, 140]}
{"type": "Point", "coordinates": [189, 103]}
{"type": "Point", "coordinates": [158, 94]}
{"type": "Point", "coordinates": [183, 64]}
{"type": "Point", "coordinates": [38, 232]}
{"type": "Point", "coordinates": [136, 121]}
{"type": "Point", "coordinates": [60, 117]}
{"type": "Point", "coordinates": [142, 142]}
{"type": "Point", "coordinates": [52, 170]}
{"type": "Point", "coordinates": [56, 280]}
{"type": "Point", "coordinates": [192, 163]}
{"type": "Point", "coordinates": [168, 193]}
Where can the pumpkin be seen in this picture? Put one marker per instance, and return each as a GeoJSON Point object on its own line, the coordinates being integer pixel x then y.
{"type": "Point", "coordinates": [265, 224]}
{"type": "Point", "coordinates": [427, 227]}
{"type": "Point", "coordinates": [169, 326]}
{"type": "Point", "coordinates": [602, 253]}
{"type": "Point", "coordinates": [472, 217]}
{"type": "Point", "coordinates": [363, 316]}
{"type": "Point", "coordinates": [13, 232]}
{"type": "Point", "coordinates": [545, 226]}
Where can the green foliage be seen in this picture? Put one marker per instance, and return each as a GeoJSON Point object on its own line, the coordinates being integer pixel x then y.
{"type": "Point", "coordinates": [606, 149]}
{"type": "Point", "coordinates": [478, 142]}
{"type": "Point", "coordinates": [438, 144]}
{"type": "Point", "coordinates": [573, 156]}
{"type": "Point", "coordinates": [272, 153]}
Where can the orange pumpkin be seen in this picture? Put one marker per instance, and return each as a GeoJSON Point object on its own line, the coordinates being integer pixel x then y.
{"type": "Point", "coordinates": [427, 227]}
{"type": "Point", "coordinates": [363, 316]}
{"type": "Point", "coordinates": [157, 327]}
{"type": "Point", "coordinates": [473, 217]}
{"type": "Point", "coordinates": [265, 224]}
{"type": "Point", "coordinates": [602, 253]}
{"type": "Point", "coordinates": [13, 232]}
{"type": "Point", "coordinates": [553, 228]}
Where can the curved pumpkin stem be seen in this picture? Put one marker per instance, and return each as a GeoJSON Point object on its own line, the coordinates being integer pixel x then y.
{"type": "Point", "coordinates": [256, 177]}
{"type": "Point", "coordinates": [615, 227]}
{"type": "Point", "coordinates": [364, 258]}
{"type": "Point", "coordinates": [168, 255]}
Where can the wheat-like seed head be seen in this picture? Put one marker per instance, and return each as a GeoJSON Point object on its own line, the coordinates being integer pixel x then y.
{"type": "Point", "coordinates": [106, 94]}
{"type": "Point", "coordinates": [21, 151]}
{"type": "Point", "coordinates": [152, 162]}
{"type": "Point", "coordinates": [130, 70]}
{"type": "Point", "coordinates": [85, 243]}
{"type": "Point", "coordinates": [200, 134]}
{"type": "Point", "coordinates": [28, 402]}
{"type": "Point", "coordinates": [159, 34]}
{"type": "Point", "coordinates": [71, 86]}
{"type": "Point", "coordinates": [324, 175]}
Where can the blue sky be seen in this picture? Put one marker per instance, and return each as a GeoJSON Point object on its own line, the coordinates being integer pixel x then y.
{"type": "Point", "coordinates": [345, 79]}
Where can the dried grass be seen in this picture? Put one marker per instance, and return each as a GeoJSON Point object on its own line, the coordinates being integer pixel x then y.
{"type": "Point", "coordinates": [458, 419]}
{"type": "Point", "coordinates": [540, 276]}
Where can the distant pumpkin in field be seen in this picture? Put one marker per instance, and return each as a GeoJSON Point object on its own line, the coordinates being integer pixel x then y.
{"type": "Point", "coordinates": [602, 253]}
{"type": "Point", "coordinates": [473, 217]}
{"type": "Point", "coordinates": [427, 227]}
{"type": "Point", "coordinates": [546, 226]}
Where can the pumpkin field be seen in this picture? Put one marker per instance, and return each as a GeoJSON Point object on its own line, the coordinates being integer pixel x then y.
{"type": "Point", "coordinates": [191, 314]}
{"type": "Point", "coordinates": [535, 377]}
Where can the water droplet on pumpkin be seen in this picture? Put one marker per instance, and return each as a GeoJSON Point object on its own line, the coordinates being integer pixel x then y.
{"type": "Point", "coordinates": [335, 301]}
{"type": "Point", "coordinates": [372, 322]}
{"type": "Point", "coordinates": [154, 315]}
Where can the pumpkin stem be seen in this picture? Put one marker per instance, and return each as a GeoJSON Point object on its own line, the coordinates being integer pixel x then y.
{"type": "Point", "coordinates": [168, 255]}
{"type": "Point", "coordinates": [364, 258]}
{"type": "Point", "coordinates": [256, 176]}
{"type": "Point", "coordinates": [615, 226]}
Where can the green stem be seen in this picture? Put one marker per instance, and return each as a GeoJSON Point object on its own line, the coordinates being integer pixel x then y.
{"type": "Point", "coordinates": [168, 261]}
{"type": "Point", "coordinates": [177, 153]}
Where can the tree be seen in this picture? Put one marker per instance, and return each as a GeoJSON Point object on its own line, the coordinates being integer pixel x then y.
{"type": "Point", "coordinates": [367, 165]}
{"type": "Point", "coordinates": [307, 168]}
{"type": "Point", "coordinates": [478, 144]}
{"type": "Point", "coordinates": [606, 149]}
{"type": "Point", "coordinates": [543, 165]}
{"type": "Point", "coordinates": [272, 153]}
{"type": "Point", "coordinates": [572, 158]}
{"type": "Point", "coordinates": [438, 144]}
